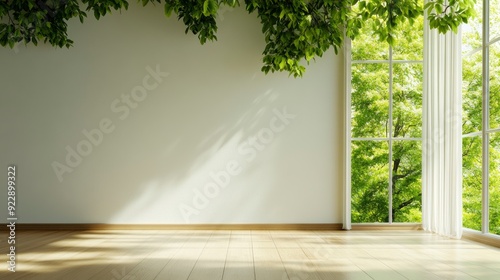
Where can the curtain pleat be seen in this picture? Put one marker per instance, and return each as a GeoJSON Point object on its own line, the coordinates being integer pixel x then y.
{"type": "Point", "coordinates": [442, 134]}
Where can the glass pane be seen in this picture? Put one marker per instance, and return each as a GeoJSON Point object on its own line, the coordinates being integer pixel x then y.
{"type": "Point", "coordinates": [472, 182]}
{"type": "Point", "coordinates": [369, 181]}
{"type": "Point", "coordinates": [407, 181]}
{"type": "Point", "coordinates": [366, 46]}
{"type": "Point", "coordinates": [494, 18]}
{"type": "Point", "coordinates": [473, 30]}
{"type": "Point", "coordinates": [494, 188]}
{"type": "Point", "coordinates": [495, 85]}
{"type": "Point", "coordinates": [410, 45]}
{"type": "Point", "coordinates": [472, 96]}
{"type": "Point", "coordinates": [370, 100]}
{"type": "Point", "coordinates": [407, 100]}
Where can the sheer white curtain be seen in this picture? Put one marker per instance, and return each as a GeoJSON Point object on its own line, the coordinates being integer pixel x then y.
{"type": "Point", "coordinates": [442, 134]}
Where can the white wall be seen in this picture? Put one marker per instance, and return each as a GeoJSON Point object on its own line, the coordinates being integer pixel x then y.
{"type": "Point", "coordinates": [195, 121]}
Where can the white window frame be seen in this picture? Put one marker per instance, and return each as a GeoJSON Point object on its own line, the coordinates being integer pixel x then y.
{"type": "Point", "coordinates": [349, 139]}
{"type": "Point", "coordinates": [486, 131]}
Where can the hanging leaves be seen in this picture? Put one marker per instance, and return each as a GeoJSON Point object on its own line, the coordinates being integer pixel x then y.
{"type": "Point", "coordinates": [295, 31]}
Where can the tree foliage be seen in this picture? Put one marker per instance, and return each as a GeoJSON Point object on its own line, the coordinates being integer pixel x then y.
{"type": "Point", "coordinates": [295, 30]}
{"type": "Point", "coordinates": [449, 14]}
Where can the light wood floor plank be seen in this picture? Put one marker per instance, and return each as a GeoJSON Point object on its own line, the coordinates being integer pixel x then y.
{"type": "Point", "coordinates": [248, 255]}
{"type": "Point", "coordinates": [119, 262]}
{"type": "Point", "coordinates": [181, 265]}
{"type": "Point", "coordinates": [297, 264]}
{"type": "Point", "coordinates": [151, 266]}
{"type": "Point", "coordinates": [39, 253]}
{"type": "Point", "coordinates": [268, 264]}
{"type": "Point", "coordinates": [341, 269]}
{"type": "Point", "coordinates": [406, 267]}
{"type": "Point", "coordinates": [210, 264]}
{"type": "Point", "coordinates": [239, 264]}
{"type": "Point", "coordinates": [84, 251]}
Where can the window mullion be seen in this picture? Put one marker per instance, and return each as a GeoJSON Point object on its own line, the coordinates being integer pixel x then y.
{"type": "Point", "coordinates": [485, 121]}
{"type": "Point", "coordinates": [347, 219]}
{"type": "Point", "coordinates": [390, 136]}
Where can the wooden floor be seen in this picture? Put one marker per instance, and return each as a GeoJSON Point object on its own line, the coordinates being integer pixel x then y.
{"type": "Point", "coordinates": [242, 255]}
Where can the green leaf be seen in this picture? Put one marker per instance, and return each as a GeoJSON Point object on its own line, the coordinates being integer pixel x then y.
{"type": "Point", "coordinates": [205, 7]}
{"type": "Point", "coordinates": [282, 14]}
{"type": "Point", "coordinates": [309, 55]}
{"type": "Point", "coordinates": [168, 9]}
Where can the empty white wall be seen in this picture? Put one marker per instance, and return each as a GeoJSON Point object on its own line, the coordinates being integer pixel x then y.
{"type": "Point", "coordinates": [214, 108]}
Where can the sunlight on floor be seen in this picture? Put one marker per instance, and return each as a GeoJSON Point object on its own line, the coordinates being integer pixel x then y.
{"type": "Point", "coordinates": [206, 254]}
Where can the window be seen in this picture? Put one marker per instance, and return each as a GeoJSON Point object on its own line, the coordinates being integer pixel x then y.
{"type": "Point", "coordinates": [481, 119]}
{"type": "Point", "coordinates": [386, 127]}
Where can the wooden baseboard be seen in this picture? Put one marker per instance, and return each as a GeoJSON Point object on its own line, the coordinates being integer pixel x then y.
{"type": "Point", "coordinates": [393, 226]}
{"type": "Point", "coordinates": [333, 226]}
{"type": "Point", "coordinates": [487, 239]}
{"type": "Point", "coordinates": [83, 227]}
